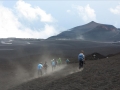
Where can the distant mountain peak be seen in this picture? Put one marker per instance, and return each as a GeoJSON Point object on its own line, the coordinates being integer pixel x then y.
{"type": "Point", "coordinates": [92, 22]}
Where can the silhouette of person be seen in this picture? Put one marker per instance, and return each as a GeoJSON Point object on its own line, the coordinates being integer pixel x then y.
{"type": "Point", "coordinates": [67, 61]}
{"type": "Point", "coordinates": [40, 66]}
{"type": "Point", "coordinates": [53, 64]}
{"type": "Point", "coordinates": [81, 59]}
{"type": "Point", "coordinates": [45, 66]}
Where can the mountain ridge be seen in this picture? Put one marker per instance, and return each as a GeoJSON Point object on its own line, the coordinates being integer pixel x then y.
{"type": "Point", "coordinates": [91, 31]}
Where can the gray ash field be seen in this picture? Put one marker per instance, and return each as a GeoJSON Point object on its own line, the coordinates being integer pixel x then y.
{"type": "Point", "coordinates": [19, 59]}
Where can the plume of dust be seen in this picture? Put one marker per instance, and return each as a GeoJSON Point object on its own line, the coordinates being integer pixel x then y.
{"type": "Point", "coordinates": [20, 75]}
{"type": "Point", "coordinates": [80, 37]}
{"type": "Point", "coordinates": [49, 69]}
{"type": "Point", "coordinates": [23, 75]}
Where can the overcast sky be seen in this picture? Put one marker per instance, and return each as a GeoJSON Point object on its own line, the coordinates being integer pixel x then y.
{"type": "Point", "coordinates": [45, 18]}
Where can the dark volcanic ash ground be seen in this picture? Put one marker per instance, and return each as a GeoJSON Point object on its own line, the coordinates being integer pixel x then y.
{"type": "Point", "coordinates": [97, 75]}
{"type": "Point", "coordinates": [18, 66]}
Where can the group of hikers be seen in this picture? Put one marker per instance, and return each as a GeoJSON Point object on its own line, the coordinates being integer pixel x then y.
{"type": "Point", "coordinates": [58, 62]}
{"type": "Point", "coordinates": [54, 63]}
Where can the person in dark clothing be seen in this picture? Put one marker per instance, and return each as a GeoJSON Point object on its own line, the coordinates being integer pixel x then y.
{"type": "Point", "coordinates": [45, 66]}
{"type": "Point", "coordinates": [81, 59]}
{"type": "Point", "coordinates": [55, 63]}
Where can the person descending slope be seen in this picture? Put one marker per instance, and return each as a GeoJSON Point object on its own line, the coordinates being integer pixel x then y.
{"type": "Point", "coordinates": [45, 66]}
{"type": "Point", "coordinates": [40, 66]}
{"type": "Point", "coordinates": [67, 61]}
{"type": "Point", "coordinates": [81, 59]}
{"type": "Point", "coordinates": [53, 64]}
{"type": "Point", "coordinates": [56, 63]}
{"type": "Point", "coordinates": [59, 61]}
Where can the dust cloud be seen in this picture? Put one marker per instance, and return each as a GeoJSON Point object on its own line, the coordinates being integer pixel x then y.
{"type": "Point", "coordinates": [21, 74]}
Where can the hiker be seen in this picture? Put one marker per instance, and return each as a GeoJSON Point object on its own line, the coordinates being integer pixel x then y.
{"type": "Point", "coordinates": [56, 63]}
{"type": "Point", "coordinates": [81, 59]}
{"type": "Point", "coordinates": [45, 66]}
{"type": "Point", "coordinates": [53, 64]}
{"type": "Point", "coordinates": [40, 66]}
{"type": "Point", "coordinates": [59, 61]}
{"type": "Point", "coordinates": [67, 61]}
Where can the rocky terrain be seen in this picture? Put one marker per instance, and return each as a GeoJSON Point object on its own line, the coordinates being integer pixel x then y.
{"type": "Point", "coordinates": [19, 59]}
{"type": "Point", "coordinates": [102, 74]}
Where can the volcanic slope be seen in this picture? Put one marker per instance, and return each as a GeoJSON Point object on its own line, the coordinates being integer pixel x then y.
{"type": "Point", "coordinates": [103, 74]}
{"type": "Point", "coordinates": [91, 31]}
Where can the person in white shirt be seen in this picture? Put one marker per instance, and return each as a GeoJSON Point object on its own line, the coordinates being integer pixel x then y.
{"type": "Point", "coordinates": [40, 66]}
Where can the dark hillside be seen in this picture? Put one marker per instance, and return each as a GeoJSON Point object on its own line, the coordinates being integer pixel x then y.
{"type": "Point", "coordinates": [101, 33]}
{"type": "Point", "coordinates": [91, 31]}
{"type": "Point", "coordinates": [94, 56]}
{"type": "Point", "coordinates": [97, 75]}
{"type": "Point", "coordinates": [75, 32]}
{"type": "Point", "coordinates": [20, 64]}
{"type": "Point", "coordinates": [58, 48]}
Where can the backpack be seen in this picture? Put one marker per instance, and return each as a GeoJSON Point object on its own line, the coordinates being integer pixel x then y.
{"type": "Point", "coordinates": [81, 57]}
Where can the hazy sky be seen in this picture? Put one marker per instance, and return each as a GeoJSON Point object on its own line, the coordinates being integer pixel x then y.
{"type": "Point", "coordinates": [45, 18]}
